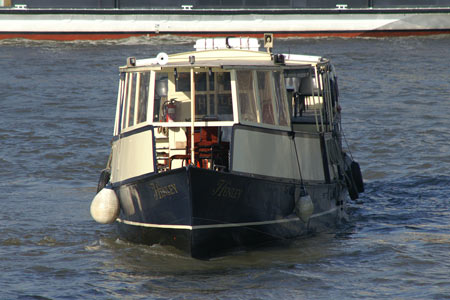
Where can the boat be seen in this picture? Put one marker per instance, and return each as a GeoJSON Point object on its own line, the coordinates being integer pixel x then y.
{"type": "Point", "coordinates": [226, 147]}
{"type": "Point", "coordinates": [115, 19]}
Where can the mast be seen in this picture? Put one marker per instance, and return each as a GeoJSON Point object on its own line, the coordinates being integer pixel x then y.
{"type": "Point", "coordinates": [192, 116]}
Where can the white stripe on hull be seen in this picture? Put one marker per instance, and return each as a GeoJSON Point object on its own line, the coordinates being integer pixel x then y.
{"type": "Point", "coordinates": [226, 225]}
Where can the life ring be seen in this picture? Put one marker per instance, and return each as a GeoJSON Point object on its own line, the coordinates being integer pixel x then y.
{"type": "Point", "coordinates": [104, 179]}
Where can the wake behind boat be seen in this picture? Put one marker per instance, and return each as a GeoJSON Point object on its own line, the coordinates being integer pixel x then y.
{"type": "Point", "coordinates": [226, 147]}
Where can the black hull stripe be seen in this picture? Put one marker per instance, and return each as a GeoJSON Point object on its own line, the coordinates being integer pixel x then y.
{"type": "Point", "coordinates": [333, 11]}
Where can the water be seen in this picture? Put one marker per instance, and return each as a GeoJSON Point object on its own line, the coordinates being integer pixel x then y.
{"type": "Point", "coordinates": [57, 103]}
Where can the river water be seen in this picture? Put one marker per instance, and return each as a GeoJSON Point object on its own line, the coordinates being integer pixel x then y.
{"type": "Point", "coordinates": [57, 102]}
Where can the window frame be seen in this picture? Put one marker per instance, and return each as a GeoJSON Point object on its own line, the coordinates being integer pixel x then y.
{"type": "Point", "coordinates": [124, 99]}
{"type": "Point", "coordinates": [255, 95]}
{"type": "Point", "coordinates": [122, 83]}
{"type": "Point", "coordinates": [138, 98]}
{"type": "Point", "coordinates": [259, 108]}
{"type": "Point", "coordinates": [183, 95]}
{"type": "Point", "coordinates": [126, 82]}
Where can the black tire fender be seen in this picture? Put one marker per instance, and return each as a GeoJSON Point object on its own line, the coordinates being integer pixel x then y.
{"type": "Point", "coordinates": [104, 179]}
{"type": "Point", "coordinates": [357, 176]}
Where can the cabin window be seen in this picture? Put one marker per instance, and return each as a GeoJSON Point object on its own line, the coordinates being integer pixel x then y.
{"type": "Point", "coordinates": [204, 81]}
{"type": "Point", "coordinates": [126, 95]}
{"type": "Point", "coordinates": [132, 99]}
{"type": "Point", "coordinates": [280, 103]}
{"type": "Point", "coordinates": [204, 94]}
{"type": "Point", "coordinates": [225, 107]}
{"type": "Point", "coordinates": [161, 92]}
{"type": "Point", "coordinates": [212, 96]}
{"type": "Point", "coordinates": [183, 82]}
{"type": "Point", "coordinates": [223, 102]}
{"type": "Point", "coordinates": [247, 97]}
{"type": "Point", "coordinates": [121, 99]}
{"type": "Point", "coordinates": [224, 81]}
{"type": "Point", "coordinates": [133, 95]}
{"type": "Point", "coordinates": [144, 80]}
{"type": "Point", "coordinates": [201, 107]}
{"type": "Point", "coordinates": [265, 96]}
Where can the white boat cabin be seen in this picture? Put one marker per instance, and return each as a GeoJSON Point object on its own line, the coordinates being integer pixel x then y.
{"type": "Point", "coordinates": [225, 110]}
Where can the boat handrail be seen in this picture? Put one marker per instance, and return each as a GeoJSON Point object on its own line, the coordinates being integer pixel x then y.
{"type": "Point", "coordinates": [241, 43]}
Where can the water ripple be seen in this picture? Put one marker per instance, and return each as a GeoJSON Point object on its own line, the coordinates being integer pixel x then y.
{"type": "Point", "coordinates": [57, 109]}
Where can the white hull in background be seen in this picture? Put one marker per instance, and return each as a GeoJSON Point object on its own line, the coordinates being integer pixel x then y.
{"type": "Point", "coordinates": [103, 24]}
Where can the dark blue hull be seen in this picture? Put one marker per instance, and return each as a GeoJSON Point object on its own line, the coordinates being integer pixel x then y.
{"type": "Point", "coordinates": [204, 213]}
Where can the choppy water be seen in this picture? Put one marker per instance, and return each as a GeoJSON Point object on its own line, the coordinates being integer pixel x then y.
{"type": "Point", "coordinates": [57, 104]}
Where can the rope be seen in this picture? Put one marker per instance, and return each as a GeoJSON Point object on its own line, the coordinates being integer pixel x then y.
{"type": "Point", "coordinates": [346, 143]}
{"type": "Point", "coordinates": [298, 163]}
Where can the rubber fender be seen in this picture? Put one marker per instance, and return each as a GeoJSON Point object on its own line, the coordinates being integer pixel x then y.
{"type": "Point", "coordinates": [357, 176]}
{"type": "Point", "coordinates": [104, 179]}
{"type": "Point", "coordinates": [352, 191]}
{"type": "Point", "coordinates": [304, 207]}
{"type": "Point", "coordinates": [351, 186]}
{"type": "Point", "coordinates": [105, 206]}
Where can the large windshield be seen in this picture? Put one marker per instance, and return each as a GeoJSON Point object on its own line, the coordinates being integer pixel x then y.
{"type": "Point", "coordinates": [172, 98]}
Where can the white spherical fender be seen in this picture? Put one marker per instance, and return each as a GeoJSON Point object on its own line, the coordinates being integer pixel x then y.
{"type": "Point", "coordinates": [304, 207]}
{"type": "Point", "coordinates": [105, 206]}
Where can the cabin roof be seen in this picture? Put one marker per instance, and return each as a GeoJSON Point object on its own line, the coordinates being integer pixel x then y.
{"type": "Point", "coordinates": [224, 58]}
